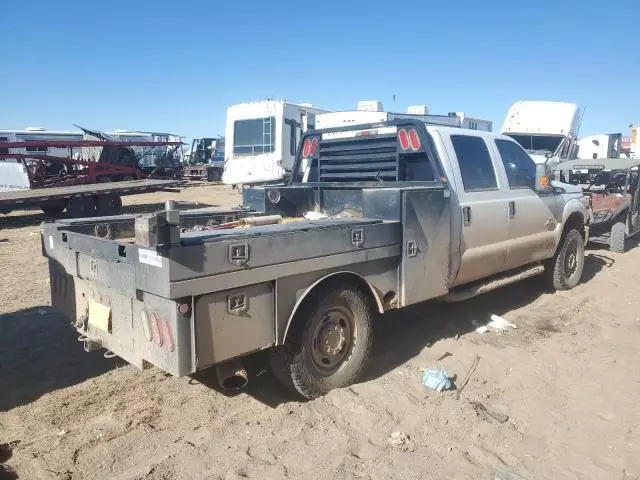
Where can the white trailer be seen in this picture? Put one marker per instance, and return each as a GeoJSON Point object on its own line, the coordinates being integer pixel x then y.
{"type": "Point", "coordinates": [544, 128]}
{"type": "Point", "coordinates": [262, 138]}
{"type": "Point", "coordinates": [372, 112]}
{"type": "Point", "coordinates": [600, 146]}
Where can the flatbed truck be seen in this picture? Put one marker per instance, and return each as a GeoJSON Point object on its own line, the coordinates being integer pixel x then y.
{"type": "Point", "coordinates": [374, 218]}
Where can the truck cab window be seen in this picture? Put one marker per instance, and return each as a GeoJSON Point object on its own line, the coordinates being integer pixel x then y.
{"type": "Point", "coordinates": [521, 170]}
{"type": "Point", "coordinates": [475, 163]}
{"type": "Point", "coordinates": [416, 167]}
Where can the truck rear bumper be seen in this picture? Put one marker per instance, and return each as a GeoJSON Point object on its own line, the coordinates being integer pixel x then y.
{"type": "Point", "coordinates": [149, 329]}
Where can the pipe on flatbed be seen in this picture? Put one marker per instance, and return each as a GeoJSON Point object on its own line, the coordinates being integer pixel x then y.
{"type": "Point", "coordinates": [232, 375]}
{"type": "Point", "coordinates": [265, 220]}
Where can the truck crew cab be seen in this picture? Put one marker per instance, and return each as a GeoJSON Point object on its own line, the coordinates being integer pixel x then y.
{"type": "Point", "coordinates": [374, 217]}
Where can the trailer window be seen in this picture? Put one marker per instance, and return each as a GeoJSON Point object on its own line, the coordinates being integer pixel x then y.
{"type": "Point", "coordinates": [521, 170]}
{"type": "Point", "coordinates": [254, 136]}
{"type": "Point", "coordinates": [475, 163]}
{"type": "Point", "coordinates": [293, 141]}
{"type": "Point", "coordinates": [4, 139]}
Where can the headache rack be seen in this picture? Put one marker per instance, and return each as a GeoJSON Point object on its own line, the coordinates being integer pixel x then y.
{"type": "Point", "coordinates": [359, 159]}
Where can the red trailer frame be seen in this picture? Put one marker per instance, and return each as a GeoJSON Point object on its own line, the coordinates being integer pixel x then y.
{"type": "Point", "coordinates": [76, 171]}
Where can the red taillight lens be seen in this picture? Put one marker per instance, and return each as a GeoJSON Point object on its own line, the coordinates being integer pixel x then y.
{"type": "Point", "coordinates": [309, 147]}
{"type": "Point", "coordinates": [414, 139]}
{"type": "Point", "coordinates": [155, 329]}
{"type": "Point", "coordinates": [166, 334]}
{"type": "Point", "coordinates": [403, 138]}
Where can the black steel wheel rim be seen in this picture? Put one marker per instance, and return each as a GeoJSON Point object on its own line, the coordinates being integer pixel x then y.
{"type": "Point", "coordinates": [571, 259]}
{"type": "Point", "coordinates": [332, 340]}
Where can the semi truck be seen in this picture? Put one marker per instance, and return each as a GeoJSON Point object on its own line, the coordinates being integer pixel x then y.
{"type": "Point", "coordinates": [373, 218]}
{"type": "Point", "coordinates": [546, 130]}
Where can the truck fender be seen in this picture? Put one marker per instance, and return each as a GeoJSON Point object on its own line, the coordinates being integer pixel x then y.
{"type": "Point", "coordinates": [359, 280]}
{"type": "Point", "coordinates": [573, 215]}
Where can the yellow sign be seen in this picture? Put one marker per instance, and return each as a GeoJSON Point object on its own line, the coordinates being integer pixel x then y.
{"type": "Point", "coordinates": [99, 316]}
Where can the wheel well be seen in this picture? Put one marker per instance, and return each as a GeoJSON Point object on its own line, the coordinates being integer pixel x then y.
{"type": "Point", "coordinates": [354, 279]}
{"type": "Point", "coordinates": [575, 221]}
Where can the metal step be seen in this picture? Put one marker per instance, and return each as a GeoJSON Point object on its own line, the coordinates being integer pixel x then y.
{"type": "Point", "coordinates": [493, 283]}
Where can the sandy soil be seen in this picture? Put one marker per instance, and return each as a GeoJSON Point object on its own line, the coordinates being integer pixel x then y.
{"type": "Point", "coordinates": [564, 378]}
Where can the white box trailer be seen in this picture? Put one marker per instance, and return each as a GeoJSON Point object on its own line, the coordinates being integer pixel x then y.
{"type": "Point", "coordinates": [262, 138]}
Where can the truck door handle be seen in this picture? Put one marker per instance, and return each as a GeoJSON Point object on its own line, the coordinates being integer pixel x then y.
{"type": "Point", "coordinates": [466, 216]}
{"type": "Point", "coordinates": [512, 209]}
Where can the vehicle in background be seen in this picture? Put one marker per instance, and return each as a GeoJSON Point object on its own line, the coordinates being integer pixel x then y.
{"type": "Point", "coordinates": [204, 160]}
{"type": "Point", "coordinates": [612, 187]}
{"type": "Point", "coordinates": [82, 200]}
{"type": "Point", "coordinates": [600, 146]}
{"type": "Point", "coordinates": [29, 165]}
{"type": "Point", "coordinates": [263, 137]}
{"type": "Point", "coordinates": [150, 153]}
{"type": "Point", "coordinates": [373, 218]}
{"type": "Point", "coordinates": [548, 131]}
{"type": "Point", "coordinates": [372, 111]}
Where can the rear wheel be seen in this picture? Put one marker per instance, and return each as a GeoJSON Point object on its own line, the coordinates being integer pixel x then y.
{"type": "Point", "coordinates": [127, 178]}
{"type": "Point", "coordinates": [105, 179]}
{"type": "Point", "coordinates": [618, 238]}
{"type": "Point", "coordinates": [566, 266]}
{"type": "Point", "coordinates": [109, 205]}
{"type": "Point", "coordinates": [81, 207]}
{"type": "Point", "coordinates": [329, 343]}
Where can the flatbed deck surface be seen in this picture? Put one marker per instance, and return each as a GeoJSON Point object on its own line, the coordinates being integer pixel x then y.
{"type": "Point", "coordinates": [121, 188]}
{"type": "Point", "coordinates": [191, 238]}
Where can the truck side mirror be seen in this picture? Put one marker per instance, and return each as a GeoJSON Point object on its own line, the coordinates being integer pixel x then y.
{"type": "Point", "coordinates": [543, 182]}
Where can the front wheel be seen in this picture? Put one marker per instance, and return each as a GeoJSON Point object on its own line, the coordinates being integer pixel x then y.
{"type": "Point", "coordinates": [566, 266]}
{"type": "Point", "coordinates": [618, 237]}
{"type": "Point", "coordinates": [329, 344]}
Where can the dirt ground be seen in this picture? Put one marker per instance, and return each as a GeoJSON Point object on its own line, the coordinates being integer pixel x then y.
{"type": "Point", "coordinates": [564, 378]}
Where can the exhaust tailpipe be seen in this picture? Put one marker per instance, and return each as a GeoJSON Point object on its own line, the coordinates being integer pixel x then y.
{"type": "Point", "coordinates": [232, 375]}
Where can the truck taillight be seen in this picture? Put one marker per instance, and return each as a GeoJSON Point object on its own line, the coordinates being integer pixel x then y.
{"type": "Point", "coordinates": [145, 326]}
{"type": "Point", "coordinates": [309, 147]}
{"type": "Point", "coordinates": [403, 138]}
{"type": "Point", "coordinates": [155, 329]}
{"type": "Point", "coordinates": [166, 334]}
{"type": "Point", "coordinates": [409, 139]}
{"type": "Point", "coordinates": [414, 139]}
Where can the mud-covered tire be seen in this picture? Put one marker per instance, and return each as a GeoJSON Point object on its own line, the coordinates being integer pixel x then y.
{"type": "Point", "coordinates": [338, 314]}
{"type": "Point", "coordinates": [618, 238]}
{"type": "Point", "coordinates": [564, 270]}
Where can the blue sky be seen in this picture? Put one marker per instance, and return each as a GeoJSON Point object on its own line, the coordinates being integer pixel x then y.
{"type": "Point", "coordinates": [176, 66]}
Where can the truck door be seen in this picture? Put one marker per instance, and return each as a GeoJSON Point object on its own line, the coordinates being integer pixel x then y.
{"type": "Point", "coordinates": [531, 217]}
{"type": "Point", "coordinates": [483, 209]}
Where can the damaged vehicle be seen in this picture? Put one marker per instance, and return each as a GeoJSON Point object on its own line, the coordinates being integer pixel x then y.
{"type": "Point", "coordinates": [612, 187]}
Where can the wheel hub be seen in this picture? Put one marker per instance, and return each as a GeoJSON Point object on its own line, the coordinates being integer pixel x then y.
{"type": "Point", "coordinates": [332, 340]}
